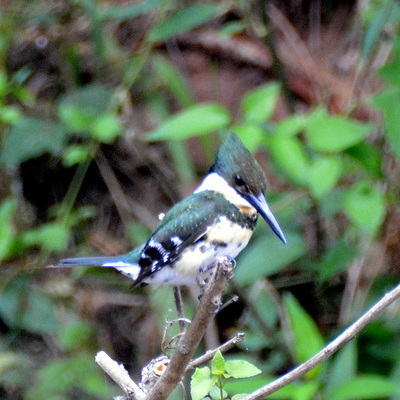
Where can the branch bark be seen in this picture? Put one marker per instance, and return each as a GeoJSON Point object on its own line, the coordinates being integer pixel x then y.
{"type": "Point", "coordinates": [119, 375]}
{"type": "Point", "coordinates": [187, 345]}
{"type": "Point", "coordinates": [350, 333]}
{"type": "Point", "coordinates": [210, 353]}
{"type": "Point", "coordinates": [180, 362]}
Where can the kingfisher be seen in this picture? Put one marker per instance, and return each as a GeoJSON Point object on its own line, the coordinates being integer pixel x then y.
{"type": "Point", "coordinates": [217, 220]}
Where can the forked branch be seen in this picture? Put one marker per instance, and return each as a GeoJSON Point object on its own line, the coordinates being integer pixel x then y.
{"type": "Point", "coordinates": [180, 361]}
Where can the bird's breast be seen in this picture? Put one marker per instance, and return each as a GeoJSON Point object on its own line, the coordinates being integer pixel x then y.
{"type": "Point", "coordinates": [224, 238]}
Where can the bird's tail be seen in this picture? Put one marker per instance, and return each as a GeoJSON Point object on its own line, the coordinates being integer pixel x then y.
{"type": "Point", "coordinates": [126, 264]}
{"type": "Point", "coordinates": [91, 261]}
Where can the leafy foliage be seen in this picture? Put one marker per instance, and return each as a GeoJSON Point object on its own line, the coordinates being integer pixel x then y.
{"type": "Point", "coordinates": [212, 382]}
{"type": "Point", "coordinates": [334, 188]}
{"type": "Point", "coordinates": [197, 120]}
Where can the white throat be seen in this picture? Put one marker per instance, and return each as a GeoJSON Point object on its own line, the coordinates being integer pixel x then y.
{"type": "Point", "coordinates": [217, 183]}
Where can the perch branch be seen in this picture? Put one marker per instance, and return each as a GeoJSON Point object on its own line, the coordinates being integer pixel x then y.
{"type": "Point", "coordinates": [210, 353]}
{"type": "Point", "coordinates": [120, 376]}
{"type": "Point", "coordinates": [187, 345]}
{"type": "Point", "coordinates": [350, 333]}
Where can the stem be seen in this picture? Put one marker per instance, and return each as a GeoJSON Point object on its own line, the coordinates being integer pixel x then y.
{"type": "Point", "coordinates": [73, 189]}
{"type": "Point", "coordinates": [179, 307]}
{"type": "Point", "coordinates": [189, 342]}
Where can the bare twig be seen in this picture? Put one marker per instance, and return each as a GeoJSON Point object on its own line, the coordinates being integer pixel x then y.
{"type": "Point", "coordinates": [210, 353]}
{"type": "Point", "coordinates": [120, 376]}
{"type": "Point", "coordinates": [114, 187]}
{"type": "Point", "coordinates": [188, 343]}
{"type": "Point", "coordinates": [179, 307]}
{"type": "Point", "coordinates": [350, 333]}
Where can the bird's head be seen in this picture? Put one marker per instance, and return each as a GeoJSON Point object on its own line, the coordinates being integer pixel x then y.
{"type": "Point", "coordinates": [242, 172]}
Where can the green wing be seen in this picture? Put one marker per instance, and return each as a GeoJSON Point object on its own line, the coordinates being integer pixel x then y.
{"type": "Point", "coordinates": [187, 222]}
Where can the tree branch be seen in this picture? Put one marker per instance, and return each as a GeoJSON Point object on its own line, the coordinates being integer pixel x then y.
{"type": "Point", "coordinates": [119, 375]}
{"type": "Point", "coordinates": [210, 353]}
{"type": "Point", "coordinates": [350, 333]}
{"type": "Point", "coordinates": [187, 345]}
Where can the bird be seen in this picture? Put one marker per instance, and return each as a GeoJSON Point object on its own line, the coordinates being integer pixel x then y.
{"type": "Point", "coordinates": [216, 220]}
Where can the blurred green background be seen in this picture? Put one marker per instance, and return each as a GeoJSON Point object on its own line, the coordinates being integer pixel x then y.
{"type": "Point", "coordinates": [112, 111]}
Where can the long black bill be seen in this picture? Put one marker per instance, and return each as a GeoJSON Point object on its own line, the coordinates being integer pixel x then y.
{"type": "Point", "coordinates": [262, 207]}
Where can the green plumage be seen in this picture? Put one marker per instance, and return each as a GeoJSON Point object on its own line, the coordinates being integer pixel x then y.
{"type": "Point", "coordinates": [189, 221]}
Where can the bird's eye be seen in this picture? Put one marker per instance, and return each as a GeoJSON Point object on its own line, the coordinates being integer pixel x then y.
{"type": "Point", "coordinates": [238, 180]}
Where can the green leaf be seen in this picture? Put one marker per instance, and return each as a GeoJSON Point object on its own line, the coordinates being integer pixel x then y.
{"type": "Point", "coordinates": [24, 95]}
{"type": "Point", "coordinates": [58, 377]}
{"type": "Point", "coordinates": [7, 231]}
{"type": "Point", "coordinates": [30, 138]}
{"type": "Point", "coordinates": [24, 307]}
{"type": "Point", "coordinates": [9, 115]}
{"type": "Point", "coordinates": [259, 104]}
{"type": "Point", "coordinates": [266, 256]}
{"type": "Point", "coordinates": [390, 70]}
{"type": "Point", "coordinates": [232, 28]}
{"type": "Point", "coordinates": [196, 120]}
{"type": "Point", "coordinates": [290, 126]}
{"type": "Point", "coordinates": [247, 385]}
{"type": "Point", "coordinates": [78, 110]}
{"type": "Point", "coordinates": [217, 393]}
{"type": "Point", "coordinates": [266, 308]}
{"type": "Point", "coordinates": [4, 84]}
{"type": "Point", "coordinates": [343, 369]}
{"type": "Point", "coordinates": [290, 155]}
{"type": "Point", "coordinates": [95, 99]}
{"type": "Point", "coordinates": [52, 237]}
{"type": "Point", "coordinates": [174, 80]}
{"type": "Point", "coordinates": [218, 364]}
{"type": "Point", "coordinates": [251, 135]}
{"type": "Point", "coordinates": [367, 156]}
{"type": "Point", "coordinates": [389, 102]}
{"type": "Point", "coordinates": [106, 128]}
{"type": "Point", "coordinates": [201, 383]}
{"type": "Point", "coordinates": [75, 154]}
{"type": "Point", "coordinates": [74, 335]}
{"type": "Point", "coordinates": [324, 174]}
{"type": "Point", "coordinates": [332, 203]}
{"type": "Point", "coordinates": [375, 29]}
{"type": "Point", "coordinates": [75, 118]}
{"type": "Point", "coordinates": [336, 260]}
{"type": "Point", "coordinates": [241, 369]}
{"type": "Point", "coordinates": [239, 396]}
{"type": "Point", "coordinates": [365, 206]}
{"type": "Point", "coordinates": [326, 133]}
{"type": "Point", "coordinates": [298, 391]}
{"type": "Point", "coordinates": [183, 21]}
{"type": "Point", "coordinates": [125, 13]}
{"type": "Point", "coordinates": [307, 339]}
{"type": "Point", "coordinates": [366, 387]}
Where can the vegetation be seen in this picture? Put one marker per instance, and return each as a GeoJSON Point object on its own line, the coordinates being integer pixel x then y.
{"type": "Point", "coordinates": [110, 113]}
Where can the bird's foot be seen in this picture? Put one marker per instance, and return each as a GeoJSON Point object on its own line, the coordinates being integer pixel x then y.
{"type": "Point", "coordinates": [171, 344]}
{"type": "Point", "coordinates": [222, 265]}
{"type": "Point", "coordinates": [229, 260]}
{"type": "Point", "coordinates": [226, 260]}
